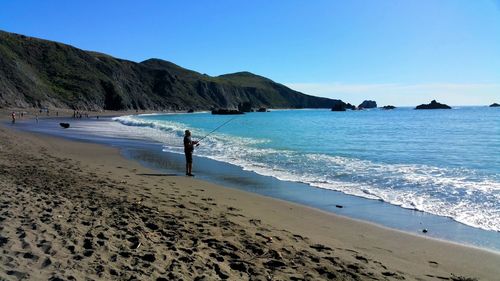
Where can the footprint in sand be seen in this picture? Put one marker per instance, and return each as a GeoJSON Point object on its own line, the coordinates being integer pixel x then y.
{"type": "Point", "coordinates": [321, 248]}
{"type": "Point", "coordinates": [45, 246]}
{"type": "Point", "coordinates": [361, 258]}
{"type": "Point", "coordinates": [47, 262]}
{"type": "Point", "coordinates": [255, 222]}
{"type": "Point", "coordinates": [19, 275]}
{"type": "Point", "coordinates": [30, 256]}
{"type": "Point", "coordinates": [433, 264]}
{"type": "Point", "coordinates": [3, 241]}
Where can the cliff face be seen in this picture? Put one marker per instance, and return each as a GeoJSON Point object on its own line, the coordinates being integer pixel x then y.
{"type": "Point", "coordinates": [41, 73]}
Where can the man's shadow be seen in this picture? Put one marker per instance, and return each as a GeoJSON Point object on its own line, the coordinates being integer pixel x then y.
{"type": "Point", "coordinates": [158, 175]}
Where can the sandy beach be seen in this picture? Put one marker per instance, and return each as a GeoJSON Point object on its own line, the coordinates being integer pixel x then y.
{"type": "Point", "coordinates": [80, 211]}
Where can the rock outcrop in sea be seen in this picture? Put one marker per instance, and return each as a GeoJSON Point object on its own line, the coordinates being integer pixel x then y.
{"type": "Point", "coordinates": [223, 111]}
{"type": "Point", "coordinates": [245, 107]}
{"type": "Point", "coordinates": [367, 104]}
{"type": "Point", "coordinates": [494, 105]}
{"type": "Point", "coordinates": [342, 106]}
{"type": "Point", "coordinates": [433, 105]}
{"type": "Point", "coordinates": [388, 107]}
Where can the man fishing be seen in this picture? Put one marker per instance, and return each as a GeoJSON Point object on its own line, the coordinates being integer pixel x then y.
{"type": "Point", "coordinates": [188, 151]}
{"type": "Point", "coordinates": [190, 144]}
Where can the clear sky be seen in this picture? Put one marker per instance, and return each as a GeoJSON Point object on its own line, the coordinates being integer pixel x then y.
{"type": "Point", "coordinates": [395, 52]}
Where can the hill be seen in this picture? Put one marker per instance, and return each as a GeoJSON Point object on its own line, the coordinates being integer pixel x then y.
{"type": "Point", "coordinates": [40, 73]}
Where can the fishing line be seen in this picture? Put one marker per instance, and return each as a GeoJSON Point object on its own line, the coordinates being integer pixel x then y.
{"type": "Point", "coordinates": [220, 126]}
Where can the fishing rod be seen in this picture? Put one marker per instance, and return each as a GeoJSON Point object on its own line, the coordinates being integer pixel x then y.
{"type": "Point", "coordinates": [220, 126]}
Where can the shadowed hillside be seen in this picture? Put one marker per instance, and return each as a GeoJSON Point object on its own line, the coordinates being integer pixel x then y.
{"type": "Point", "coordinates": [41, 73]}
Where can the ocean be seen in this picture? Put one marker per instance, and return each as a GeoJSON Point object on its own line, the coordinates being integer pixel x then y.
{"type": "Point", "coordinates": [405, 169]}
{"type": "Point", "coordinates": [442, 162]}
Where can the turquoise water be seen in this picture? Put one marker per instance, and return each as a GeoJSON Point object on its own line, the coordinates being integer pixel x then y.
{"type": "Point", "coordinates": [444, 162]}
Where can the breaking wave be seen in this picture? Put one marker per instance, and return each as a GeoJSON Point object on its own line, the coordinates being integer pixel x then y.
{"type": "Point", "coordinates": [462, 194]}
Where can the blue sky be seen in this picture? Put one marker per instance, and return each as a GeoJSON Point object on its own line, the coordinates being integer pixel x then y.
{"type": "Point", "coordinates": [395, 52]}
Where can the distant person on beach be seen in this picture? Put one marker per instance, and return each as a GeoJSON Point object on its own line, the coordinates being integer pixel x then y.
{"type": "Point", "coordinates": [13, 115]}
{"type": "Point", "coordinates": [188, 151]}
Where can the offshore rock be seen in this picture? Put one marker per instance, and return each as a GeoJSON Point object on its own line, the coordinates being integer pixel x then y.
{"type": "Point", "coordinates": [342, 106]}
{"type": "Point", "coordinates": [245, 106]}
{"type": "Point", "coordinates": [388, 107]}
{"type": "Point", "coordinates": [222, 111]}
{"type": "Point", "coordinates": [433, 105]}
{"type": "Point", "coordinates": [367, 104]}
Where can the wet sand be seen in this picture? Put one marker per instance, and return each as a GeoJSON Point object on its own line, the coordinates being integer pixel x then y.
{"type": "Point", "coordinates": [80, 211]}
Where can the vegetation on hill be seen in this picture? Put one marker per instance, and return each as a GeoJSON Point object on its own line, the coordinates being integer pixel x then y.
{"type": "Point", "coordinates": [40, 73]}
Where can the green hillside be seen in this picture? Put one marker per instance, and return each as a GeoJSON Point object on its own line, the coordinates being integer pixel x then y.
{"type": "Point", "coordinates": [40, 73]}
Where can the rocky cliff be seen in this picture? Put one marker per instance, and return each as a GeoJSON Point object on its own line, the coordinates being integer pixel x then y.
{"type": "Point", "coordinates": [41, 73]}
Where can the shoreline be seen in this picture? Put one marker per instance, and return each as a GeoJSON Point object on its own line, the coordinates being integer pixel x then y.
{"type": "Point", "coordinates": [147, 152]}
{"type": "Point", "coordinates": [352, 241]}
{"type": "Point", "coordinates": [417, 180]}
{"type": "Point", "coordinates": [353, 207]}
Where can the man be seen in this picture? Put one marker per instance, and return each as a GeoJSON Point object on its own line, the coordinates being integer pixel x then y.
{"type": "Point", "coordinates": [188, 151]}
